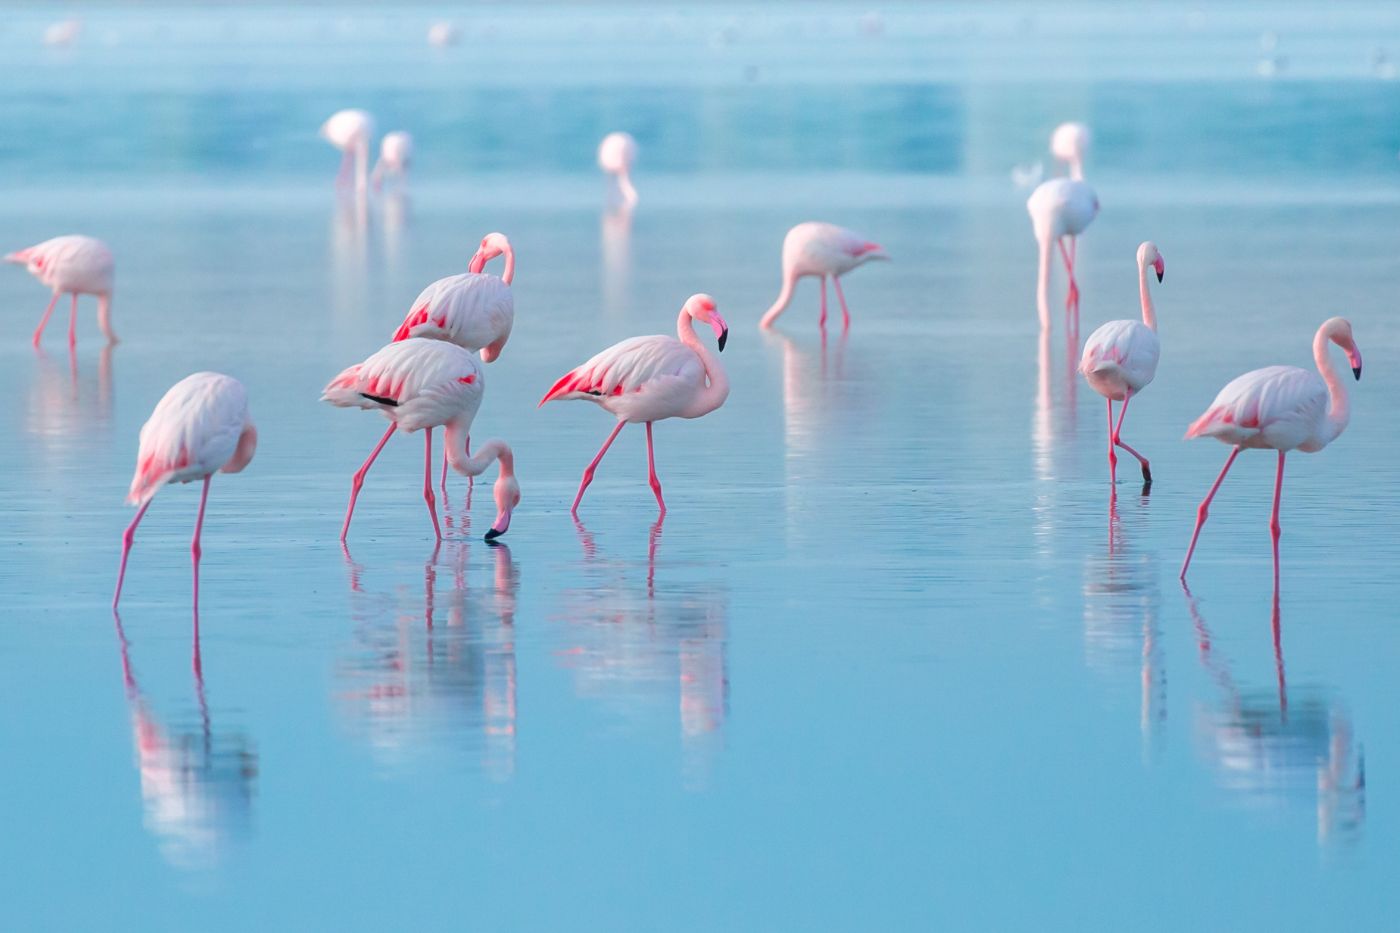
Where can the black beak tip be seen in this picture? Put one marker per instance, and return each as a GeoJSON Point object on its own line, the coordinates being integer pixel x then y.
{"type": "Point", "coordinates": [493, 534]}
{"type": "Point", "coordinates": [1159, 276]}
{"type": "Point", "coordinates": [1356, 371]}
{"type": "Point", "coordinates": [723, 339]}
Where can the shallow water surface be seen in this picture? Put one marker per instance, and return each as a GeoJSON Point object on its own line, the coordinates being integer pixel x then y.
{"type": "Point", "coordinates": [894, 658]}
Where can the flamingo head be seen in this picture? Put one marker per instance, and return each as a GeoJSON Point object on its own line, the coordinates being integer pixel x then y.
{"type": "Point", "coordinates": [507, 494]}
{"type": "Point", "coordinates": [1148, 255]}
{"type": "Point", "coordinates": [1070, 143]}
{"type": "Point", "coordinates": [702, 308]}
{"type": "Point", "coordinates": [492, 245]}
{"type": "Point", "coordinates": [1338, 330]}
{"type": "Point", "coordinates": [616, 153]}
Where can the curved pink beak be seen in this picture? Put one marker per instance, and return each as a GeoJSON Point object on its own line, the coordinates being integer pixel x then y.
{"type": "Point", "coordinates": [501, 526]}
{"type": "Point", "coordinates": [721, 329]}
{"type": "Point", "coordinates": [1160, 266]}
{"type": "Point", "coordinates": [1354, 357]}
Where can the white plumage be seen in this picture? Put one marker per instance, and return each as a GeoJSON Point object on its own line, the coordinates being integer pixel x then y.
{"type": "Point", "coordinates": [820, 249]}
{"type": "Point", "coordinates": [73, 263]}
{"type": "Point", "coordinates": [1277, 407]}
{"type": "Point", "coordinates": [1062, 207]}
{"type": "Point", "coordinates": [416, 383]}
{"type": "Point", "coordinates": [199, 427]}
{"type": "Point", "coordinates": [471, 310]}
{"type": "Point", "coordinates": [640, 379]}
{"type": "Point", "coordinates": [1120, 358]}
{"type": "Point", "coordinates": [1070, 143]}
{"type": "Point", "coordinates": [395, 154]}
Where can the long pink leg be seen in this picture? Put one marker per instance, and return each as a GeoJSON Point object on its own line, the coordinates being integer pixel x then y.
{"type": "Point", "coordinates": [195, 550]}
{"type": "Point", "coordinates": [589, 470]}
{"type": "Point", "coordinates": [128, 537]}
{"type": "Point", "coordinates": [1275, 529]}
{"type": "Point", "coordinates": [651, 472]}
{"type": "Point", "coordinates": [1204, 509]}
{"type": "Point", "coordinates": [358, 480]}
{"type": "Point", "coordinates": [73, 322]}
{"type": "Point", "coordinates": [342, 177]}
{"type": "Point", "coordinates": [1112, 454]}
{"type": "Point", "coordinates": [44, 321]}
{"type": "Point", "coordinates": [1072, 295]}
{"type": "Point", "coordinates": [428, 480]}
{"type": "Point", "coordinates": [821, 321]}
{"type": "Point", "coordinates": [1118, 439]}
{"type": "Point", "coordinates": [845, 312]}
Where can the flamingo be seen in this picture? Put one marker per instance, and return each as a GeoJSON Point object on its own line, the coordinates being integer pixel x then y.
{"type": "Point", "coordinates": [823, 250]}
{"type": "Point", "coordinates": [1120, 360]}
{"type": "Point", "coordinates": [421, 383]}
{"type": "Point", "coordinates": [616, 153]}
{"type": "Point", "coordinates": [475, 310]}
{"type": "Point", "coordinates": [1059, 208]}
{"type": "Point", "coordinates": [78, 265]}
{"type": "Point", "coordinates": [1070, 143]}
{"type": "Point", "coordinates": [1279, 408]}
{"type": "Point", "coordinates": [647, 379]}
{"type": "Point", "coordinates": [444, 33]}
{"type": "Point", "coordinates": [350, 131]}
{"type": "Point", "coordinates": [199, 427]}
{"type": "Point", "coordinates": [395, 153]}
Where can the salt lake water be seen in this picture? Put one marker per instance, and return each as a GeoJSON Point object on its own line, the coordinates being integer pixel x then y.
{"type": "Point", "coordinates": [892, 660]}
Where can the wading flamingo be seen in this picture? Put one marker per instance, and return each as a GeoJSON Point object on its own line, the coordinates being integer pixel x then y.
{"type": "Point", "coordinates": [420, 383]}
{"type": "Point", "coordinates": [616, 153]}
{"type": "Point", "coordinates": [1060, 209]}
{"type": "Point", "coordinates": [350, 131]}
{"type": "Point", "coordinates": [823, 250]}
{"type": "Point", "coordinates": [78, 265]}
{"type": "Point", "coordinates": [1120, 360]}
{"type": "Point", "coordinates": [646, 379]}
{"type": "Point", "coordinates": [199, 428]}
{"type": "Point", "coordinates": [395, 153]}
{"type": "Point", "coordinates": [475, 310]}
{"type": "Point", "coordinates": [1070, 144]}
{"type": "Point", "coordinates": [1279, 408]}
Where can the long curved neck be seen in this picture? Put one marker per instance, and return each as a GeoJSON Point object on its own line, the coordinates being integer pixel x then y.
{"type": "Point", "coordinates": [1149, 312]}
{"type": "Point", "coordinates": [1042, 279]}
{"type": "Point", "coordinates": [509, 274]}
{"type": "Point", "coordinates": [1339, 411]}
{"type": "Point", "coordinates": [784, 299]}
{"type": "Point", "coordinates": [487, 454]}
{"type": "Point", "coordinates": [717, 391]}
{"type": "Point", "coordinates": [624, 185]}
{"type": "Point", "coordinates": [1076, 168]}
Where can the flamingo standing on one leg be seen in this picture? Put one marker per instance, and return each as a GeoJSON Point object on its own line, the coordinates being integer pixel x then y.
{"type": "Point", "coordinates": [475, 310]}
{"type": "Point", "coordinates": [616, 153]}
{"type": "Point", "coordinates": [78, 265]}
{"type": "Point", "coordinates": [1070, 143]}
{"type": "Point", "coordinates": [824, 250]}
{"type": "Point", "coordinates": [647, 379]}
{"type": "Point", "coordinates": [200, 427]}
{"type": "Point", "coordinates": [350, 131]}
{"type": "Point", "coordinates": [1279, 408]}
{"type": "Point", "coordinates": [1060, 209]}
{"type": "Point", "coordinates": [1120, 360]}
{"type": "Point", "coordinates": [420, 383]}
{"type": "Point", "coordinates": [395, 153]}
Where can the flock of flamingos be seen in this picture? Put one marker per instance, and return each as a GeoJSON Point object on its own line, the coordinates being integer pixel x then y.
{"type": "Point", "coordinates": [429, 375]}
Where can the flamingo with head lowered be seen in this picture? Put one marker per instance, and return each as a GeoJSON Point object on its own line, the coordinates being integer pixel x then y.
{"type": "Point", "coordinates": [474, 310]}
{"type": "Point", "coordinates": [647, 379]}
{"type": "Point", "coordinates": [350, 131]}
{"type": "Point", "coordinates": [395, 153]}
{"type": "Point", "coordinates": [200, 427]}
{"type": "Point", "coordinates": [1120, 359]}
{"type": "Point", "coordinates": [423, 384]}
{"type": "Point", "coordinates": [1279, 408]}
{"type": "Point", "coordinates": [826, 251]}
{"type": "Point", "coordinates": [77, 265]}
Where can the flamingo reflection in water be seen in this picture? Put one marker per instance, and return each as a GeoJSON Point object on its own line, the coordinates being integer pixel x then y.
{"type": "Point", "coordinates": [627, 643]}
{"type": "Point", "coordinates": [64, 402]}
{"type": "Point", "coordinates": [1272, 749]}
{"type": "Point", "coordinates": [424, 674]}
{"type": "Point", "coordinates": [197, 783]}
{"type": "Point", "coordinates": [616, 236]}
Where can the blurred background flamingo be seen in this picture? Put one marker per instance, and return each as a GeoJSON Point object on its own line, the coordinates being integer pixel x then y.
{"type": "Point", "coordinates": [350, 131]}
{"type": "Point", "coordinates": [76, 265]}
{"type": "Point", "coordinates": [826, 251]}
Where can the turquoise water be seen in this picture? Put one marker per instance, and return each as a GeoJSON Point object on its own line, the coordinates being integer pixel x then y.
{"type": "Point", "coordinates": [891, 661]}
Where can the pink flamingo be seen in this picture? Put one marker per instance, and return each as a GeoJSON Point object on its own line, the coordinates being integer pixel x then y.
{"type": "Point", "coordinates": [420, 383]}
{"type": "Point", "coordinates": [647, 379]}
{"type": "Point", "coordinates": [1120, 360]}
{"type": "Point", "coordinates": [350, 131]}
{"type": "Point", "coordinates": [1070, 143]}
{"type": "Point", "coordinates": [1279, 408]}
{"type": "Point", "coordinates": [200, 427]}
{"type": "Point", "coordinates": [475, 310]}
{"type": "Point", "coordinates": [1060, 209]}
{"type": "Point", "coordinates": [616, 153]}
{"type": "Point", "coordinates": [395, 153]}
{"type": "Point", "coordinates": [78, 265]}
{"type": "Point", "coordinates": [823, 250]}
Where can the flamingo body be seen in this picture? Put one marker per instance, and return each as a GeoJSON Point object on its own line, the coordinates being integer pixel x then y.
{"type": "Point", "coordinates": [647, 379]}
{"type": "Point", "coordinates": [1062, 207]}
{"type": "Point", "coordinates": [616, 153]}
{"type": "Point", "coordinates": [820, 249]}
{"type": "Point", "coordinates": [201, 426]}
{"type": "Point", "coordinates": [395, 154]}
{"type": "Point", "coordinates": [1120, 359]}
{"type": "Point", "coordinates": [350, 131]}
{"type": "Point", "coordinates": [472, 310]}
{"type": "Point", "coordinates": [78, 264]}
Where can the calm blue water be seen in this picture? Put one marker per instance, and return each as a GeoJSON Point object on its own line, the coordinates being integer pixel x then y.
{"type": "Point", "coordinates": [890, 662]}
